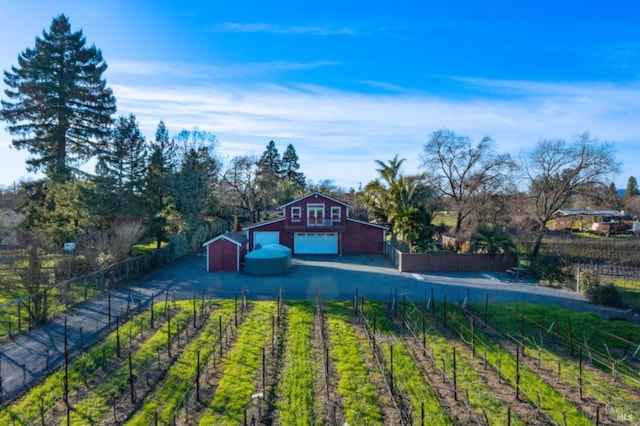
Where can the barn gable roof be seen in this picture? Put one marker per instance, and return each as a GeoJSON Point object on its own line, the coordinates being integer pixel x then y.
{"type": "Point", "coordinates": [362, 222]}
{"type": "Point", "coordinates": [258, 225]}
{"type": "Point", "coordinates": [315, 193]}
{"type": "Point", "coordinates": [233, 237]}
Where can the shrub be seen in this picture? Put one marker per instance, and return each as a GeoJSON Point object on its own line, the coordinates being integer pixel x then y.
{"type": "Point", "coordinates": [607, 295]}
{"type": "Point", "coordinates": [179, 246]}
{"type": "Point", "coordinates": [552, 271]}
{"type": "Point", "coordinates": [71, 267]}
{"type": "Point", "coordinates": [588, 281]}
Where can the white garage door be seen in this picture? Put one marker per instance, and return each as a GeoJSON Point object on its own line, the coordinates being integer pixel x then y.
{"type": "Point", "coordinates": [265, 237]}
{"type": "Point", "coordinates": [315, 243]}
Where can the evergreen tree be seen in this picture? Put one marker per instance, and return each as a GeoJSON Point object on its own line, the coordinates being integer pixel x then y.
{"type": "Point", "coordinates": [631, 190]}
{"type": "Point", "coordinates": [194, 184]}
{"type": "Point", "coordinates": [289, 170]}
{"type": "Point", "coordinates": [611, 197]}
{"type": "Point", "coordinates": [56, 210]}
{"type": "Point", "coordinates": [268, 176]}
{"type": "Point", "coordinates": [121, 170]}
{"type": "Point", "coordinates": [161, 169]}
{"type": "Point", "coordinates": [59, 107]}
{"type": "Point", "coordinates": [270, 163]}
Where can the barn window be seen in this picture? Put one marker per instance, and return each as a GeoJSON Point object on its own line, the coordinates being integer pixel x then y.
{"type": "Point", "coordinates": [335, 214]}
{"type": "Point", "coordinates": [296, 214]}
{"type": "Point", "coordinates": [315, 214]}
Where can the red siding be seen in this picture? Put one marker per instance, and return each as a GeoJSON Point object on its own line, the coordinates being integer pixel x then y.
{"type": "Point", "coordinates": [271, 227]}
{"type": "Point", "coordinates": [223, 255]}
{"type": "Point", "coordinates": [353, 237]}
{"type": "Point", "coordinates": [319, 199]}
{"type": "Point", "coordinates": [360, 238]}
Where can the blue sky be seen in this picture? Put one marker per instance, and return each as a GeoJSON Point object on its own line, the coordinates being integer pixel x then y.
{"type": "Point", "coordinates": [350, 82]}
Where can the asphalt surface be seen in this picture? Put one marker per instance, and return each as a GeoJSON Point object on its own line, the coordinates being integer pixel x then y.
{"type": "Point", "coordinates": [28, 357]}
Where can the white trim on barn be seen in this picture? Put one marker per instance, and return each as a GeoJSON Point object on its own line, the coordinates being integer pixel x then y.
{"type": "Point", "coordinates": [315, 194]}
{"type": "Point", "coordinates": [265, 238]}
{"type": "Point", "coordinates": [315, 243]}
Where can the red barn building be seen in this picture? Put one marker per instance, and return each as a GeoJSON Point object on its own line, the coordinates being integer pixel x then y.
{"type": "Point", "coordinates": [318, 224]}
{"type": "Point", "coordinates": [226, 252]}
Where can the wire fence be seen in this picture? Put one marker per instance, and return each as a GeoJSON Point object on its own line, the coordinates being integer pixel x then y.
{"type": "Point", "coordinates": [23, 313]}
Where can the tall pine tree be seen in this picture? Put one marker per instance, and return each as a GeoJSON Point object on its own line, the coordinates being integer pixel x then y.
{"type": "Point", "coordinates": [268, 176]}
{"type": "Point", "coordinates": [631, 190]}
{"type": "Point", "coordinates": [160, 172]}
{"type": "Point", "coordinates": [270, 162]}
{"type": "Point", "coordinates": [194, 183]}
{"type": "Point", "coordinates": [289, 170]}
{"type": "Point", "coordinates": [59, 106]}
{"type": "Point", "coordinates": [121, 170]}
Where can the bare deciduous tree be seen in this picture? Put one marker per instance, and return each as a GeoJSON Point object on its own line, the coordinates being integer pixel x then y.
{"type": "Point", "coordinates": [240, 187]}
{"type": "Point", "coordinates": [25, 274]}
{"type": "Point", "coordinates": [463, 172]}
{"type": "Point", "coordinates": [556, 170]}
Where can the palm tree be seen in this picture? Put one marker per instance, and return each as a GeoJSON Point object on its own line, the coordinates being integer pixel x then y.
{"type": "Point", "coordinates": [491, 238]}
{"type": "Point", "coordinates": [402, 201]}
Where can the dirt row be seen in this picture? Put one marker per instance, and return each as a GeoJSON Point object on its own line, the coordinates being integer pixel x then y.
{"type": "Point", "coordinates": [329, 409]}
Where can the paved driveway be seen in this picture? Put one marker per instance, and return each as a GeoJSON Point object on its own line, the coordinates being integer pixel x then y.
{"type": "Point", "coordinates": [337, 277]}
{"type": "Point", "coordinates": [26, 358]}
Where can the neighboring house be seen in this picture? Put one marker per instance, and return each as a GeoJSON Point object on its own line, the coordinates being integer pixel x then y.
{"type": "Point", "coordinates": [583, 219]}
{"type": "Point", "coordinates": [318, 224]}
{"type": "Point", "coordinates": [226, 252]}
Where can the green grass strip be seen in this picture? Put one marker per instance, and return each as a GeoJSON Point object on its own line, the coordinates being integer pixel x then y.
{"type": "Point", "coordinates": [469, 382]}
{"type": "Point", "coordinates": [98, 403]}
{"type": "Point", "coordinates": [593, 328]}
{"type": "Point", "coordinates": [240, 367]}
{"type": "Point", "coordinates": [593, 386]}
{"type": "Point", "coordinates": [408, 376]}
{"type": "Point", "coordinates": [358, 393]}
{"type": "Point", "coordinates": [295, 407]}
{"type": "Point", "coordinates": [623, 336]}
{"type": "Point", "coordinates": [168, 394]}
{"type": "Point", "coordinates": [532, 387]}
{"type": "Point", "coordinates": [28, 409]}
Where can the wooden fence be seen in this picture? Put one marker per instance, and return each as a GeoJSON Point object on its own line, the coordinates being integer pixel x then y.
{"type": "Point", "coordinates": [446, 261]}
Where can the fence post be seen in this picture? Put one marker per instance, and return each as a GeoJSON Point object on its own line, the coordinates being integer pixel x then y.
{"type": "Point", "coordinates": [444, 312]}
{"type": "Point", "coordinates": [455, 376]}
{"type": "Point", "coordinates": [1, 399]}
{"type": "Point", "coordinates": [109, 309]}
{"type": "Point", "coordinates": [518, 373]}
{"type": "Point", "coordinates": [194, 311]}
{"type": "Point", "coordinates": [118, 336]}
{"type": "Point", "coordinates": [198, 378]}
{"type": "Point", "coordinates": [580, 376]}
{"type": "Point", "coordinates": [133, 395]}
{"type": "Point", "coordinates": [486, 308]}
{"type": "Point", "coordinates": [570, 333]}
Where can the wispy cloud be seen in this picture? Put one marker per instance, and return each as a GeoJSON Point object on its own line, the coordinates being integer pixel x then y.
{"type": "Point", "coordinates": [315, 30]}
{"type": "Point", "coordinates": [338, 134]}
{"type": "Point", "coordinates": [390, 87]}
{"type": "Point", "coordinates": [204, 72]}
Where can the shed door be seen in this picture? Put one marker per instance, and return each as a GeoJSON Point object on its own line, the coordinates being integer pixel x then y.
{"type": "Point", "coordinates": [315, 243]}
{"type": "Point", "coordinates": [265, 237]}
